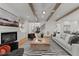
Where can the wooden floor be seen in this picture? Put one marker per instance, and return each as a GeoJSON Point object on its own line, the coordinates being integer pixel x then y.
{"type": "Point", "coordinates": [54, 50]}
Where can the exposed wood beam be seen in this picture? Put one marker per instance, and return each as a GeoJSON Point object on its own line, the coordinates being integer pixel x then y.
{"type": "Point", "coordinates": [5, 19]}
{"type": "Point", "coordinates": [55, 8]}
{"type": "Point", "coordinates": [33, 10]}
{"type": "Point", "coordinates": [50, 16]}
{"type": "Point", "coordinates": [8, 20]}
{"type": "Point", "coordinates": [68, 13]}
{"type": "Point", "coordinates": [9, 24]}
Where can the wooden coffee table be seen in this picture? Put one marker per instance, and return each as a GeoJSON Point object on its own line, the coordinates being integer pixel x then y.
{"type": "Point", "coordinates": [41, 44]}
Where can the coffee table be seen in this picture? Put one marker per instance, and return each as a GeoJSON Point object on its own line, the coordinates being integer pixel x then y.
{"type": "Point", "coordinates": [40, 44]}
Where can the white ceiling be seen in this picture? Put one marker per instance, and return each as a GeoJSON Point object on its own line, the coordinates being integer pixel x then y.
{"type": "Point", "coordinates": [63, 9]}
{"type": "Point", "coordinates": [40, 7]}
{"type": "Point", "coordinates": [23, 11]}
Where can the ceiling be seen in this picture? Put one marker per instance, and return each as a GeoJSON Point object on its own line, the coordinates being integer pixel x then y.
{"type": "Point", "coordinates": [43, 10]}
{"type": "Point", "coordinates": [36, 12]}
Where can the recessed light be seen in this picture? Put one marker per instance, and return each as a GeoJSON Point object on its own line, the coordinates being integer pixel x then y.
{"type": "Point", "coordinates": [44, 12]}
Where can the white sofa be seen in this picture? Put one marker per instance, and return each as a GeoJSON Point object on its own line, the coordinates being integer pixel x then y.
{"type": "Point", "coordinates": [63, 42]}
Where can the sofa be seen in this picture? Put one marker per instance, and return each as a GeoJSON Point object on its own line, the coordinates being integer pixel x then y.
{"type": "Point", "coordinates": [63, 41]}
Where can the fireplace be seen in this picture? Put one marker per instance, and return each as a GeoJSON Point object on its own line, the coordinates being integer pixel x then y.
{"type": "Point", "coordinates": [8, 37]}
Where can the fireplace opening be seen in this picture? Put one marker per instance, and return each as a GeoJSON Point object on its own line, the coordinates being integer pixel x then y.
{"type": "Point", "coordinates": [8, 37]}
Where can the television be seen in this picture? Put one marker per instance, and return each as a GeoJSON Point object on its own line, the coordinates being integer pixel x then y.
{"type": "Point", "coordinates": [8, 37]}
{"type": "Point", "coordinates": [31, 36]}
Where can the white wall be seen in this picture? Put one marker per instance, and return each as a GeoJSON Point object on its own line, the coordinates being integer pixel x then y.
{"type": "Point", "coordinates": [25, 27]}
{"type": "Point", "coordinates": [50, 26]}
{"type": "Point", "coordinates": [32, 26]}
{"type": "Point", "coordinates": [73, 20]}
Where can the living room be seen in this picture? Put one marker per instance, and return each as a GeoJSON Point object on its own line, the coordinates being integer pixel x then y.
{"type": "Point", "coordinates": [39, 29]}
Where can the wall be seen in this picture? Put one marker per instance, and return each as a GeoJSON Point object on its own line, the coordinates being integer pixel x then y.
{"type": "Point", "coordinates": [25, 29]}
{"type": "Point", "coordinates": [32, 26]}
{"type": "Point", "coordinates": [72, 19]}
{"type": "Point", "coordinates": [50, 26]}
{"type": "Point", "coordinates": [23, 35]}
